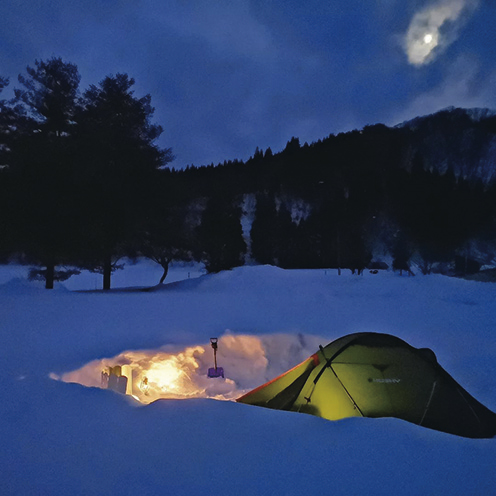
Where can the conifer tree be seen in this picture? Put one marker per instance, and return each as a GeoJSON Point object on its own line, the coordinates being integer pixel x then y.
{"type": "Point", "coordinates": [264, 230]}
{"type": "Point", "coordinates": [222, 246]}
{"type": "Point", "coordinates": [120, 163]}
{"type": "Point", "coordinates": [42, 164]}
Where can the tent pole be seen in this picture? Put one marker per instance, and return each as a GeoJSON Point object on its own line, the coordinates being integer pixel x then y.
{"type": "Point", "coordinates": [428, 403]}
{"type": "Point", "coordinates": [319, 375]}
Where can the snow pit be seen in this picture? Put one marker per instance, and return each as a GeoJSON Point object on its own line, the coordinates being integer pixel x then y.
{"type": "Point", "coordinates": [171, 373]}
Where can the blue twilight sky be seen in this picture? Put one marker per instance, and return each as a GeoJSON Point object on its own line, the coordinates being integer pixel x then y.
{"type": "Point", "coordinates": [227, 76]}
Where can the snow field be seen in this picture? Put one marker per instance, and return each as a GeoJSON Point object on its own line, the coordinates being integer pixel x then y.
{"type": "Point", "coordinates": [60, 438]}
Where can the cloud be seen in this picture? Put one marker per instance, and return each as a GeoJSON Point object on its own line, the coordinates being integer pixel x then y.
{"type": "Point", "coordinates": [465, 84]}
{"type": "Point", "coordinates": [434, 28]}
{"type": "Point", "coordinates": [227, 28]}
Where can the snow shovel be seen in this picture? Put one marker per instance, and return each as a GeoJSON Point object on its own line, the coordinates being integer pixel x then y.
{"type": "Point", "coordinates": [215, 371]}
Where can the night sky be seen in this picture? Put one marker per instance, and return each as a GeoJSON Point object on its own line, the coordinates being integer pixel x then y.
{"type": "Point", "coordinates": [228, 76]}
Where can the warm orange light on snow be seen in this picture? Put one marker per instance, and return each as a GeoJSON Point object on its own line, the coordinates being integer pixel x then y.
{"type": "Point", "coordinates": [165, 375]}
{"type": "Point", "coordinates": [150, 375]}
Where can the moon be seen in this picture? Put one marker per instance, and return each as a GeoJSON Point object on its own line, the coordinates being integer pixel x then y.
{"type": "Point", "coordinates": [427, 38]}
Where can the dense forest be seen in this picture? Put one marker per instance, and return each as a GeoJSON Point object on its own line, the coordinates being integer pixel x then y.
{"type": "Point", "coordinates": [84, 184]}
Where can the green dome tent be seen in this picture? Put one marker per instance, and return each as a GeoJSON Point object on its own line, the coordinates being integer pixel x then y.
{"type": "Point", "coordinates": [377, 375]}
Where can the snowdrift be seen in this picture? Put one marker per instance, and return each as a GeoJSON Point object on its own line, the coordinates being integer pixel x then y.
{"type": "Point", "coordinates": [62, 438]}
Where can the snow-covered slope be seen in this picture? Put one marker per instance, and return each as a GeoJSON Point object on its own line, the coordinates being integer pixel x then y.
{"type": "Point", "coordinates": [476, 114]}
{"type": "Point", "coordinates": [458, 139]}
{"type": "Point", "coordinates": [60, 438]}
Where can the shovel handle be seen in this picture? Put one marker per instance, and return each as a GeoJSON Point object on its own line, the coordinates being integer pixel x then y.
{"type": "Point", "coordinates": [213, 342]}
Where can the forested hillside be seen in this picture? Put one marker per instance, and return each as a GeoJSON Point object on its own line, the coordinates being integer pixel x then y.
{"type": "Point", "coordinates": [422, 190]}
{"type": "Point", "coordinates": [83, 184]}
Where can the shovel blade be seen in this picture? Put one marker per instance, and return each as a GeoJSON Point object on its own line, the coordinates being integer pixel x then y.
{"type": "Point", "coordinates": [215, 372]}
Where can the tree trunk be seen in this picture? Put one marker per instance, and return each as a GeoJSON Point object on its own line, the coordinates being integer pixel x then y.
{"type": "Point", "coordinates": [50, 275]}
{"type": "Point", "coordinates": [107, 270]}
{"type": "Point", "coordinates": [165, 266]}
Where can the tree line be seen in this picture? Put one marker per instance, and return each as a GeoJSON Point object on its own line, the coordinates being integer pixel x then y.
{"type": "Point", "coordinates": [83, 183]}
{"type": "Point", "coordinates": [77, 169]}
{"type": "Point", "coordinates": [350, 200]}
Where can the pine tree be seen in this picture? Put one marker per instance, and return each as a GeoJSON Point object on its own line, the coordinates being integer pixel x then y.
{"type": "Point", "coordinates": [119, 165]}
{"type": "Point", "coordinates": [264, 230]}
{"type": "Point", "coordinates": [222, 246]}
{"type": "Point", "coordinates": [286, 248]}
{"type": "Point", "coordinates": [402, 252]}
{"type": "Point", "coordinates": [42, 163]}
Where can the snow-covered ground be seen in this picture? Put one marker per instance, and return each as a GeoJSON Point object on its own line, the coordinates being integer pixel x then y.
{"type": "Point", "coordinates": [61, 438]}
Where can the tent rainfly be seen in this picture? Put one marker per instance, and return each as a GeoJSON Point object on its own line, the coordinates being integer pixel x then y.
{"type": "Point", "coordinates": [377, 375]}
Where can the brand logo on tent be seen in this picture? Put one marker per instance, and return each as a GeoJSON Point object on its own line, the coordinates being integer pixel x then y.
{"type": "Point", "coordinates": [385, 381]}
